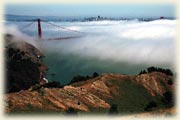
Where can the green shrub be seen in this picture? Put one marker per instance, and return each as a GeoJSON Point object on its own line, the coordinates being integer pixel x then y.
{"type": "Point", "coordinates": [170, 82]}
{"type": "Point", "coordinates": [71, 111]}
{"type": "Point", "coordinates": [150, 106]}
{"type": "Point", "coordinates": [53, 84]}
{"type": "Point", "coordinates": [113, 109]}
{"type": "Point", "coordinates": [168, 98]}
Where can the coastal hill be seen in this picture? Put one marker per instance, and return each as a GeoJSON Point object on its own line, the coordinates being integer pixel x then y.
{"type": "Point", "coordinates": [107, 93]}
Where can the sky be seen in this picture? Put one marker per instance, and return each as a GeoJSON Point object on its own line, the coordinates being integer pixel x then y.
{"type": "Point", "coordinates": [108, 10]}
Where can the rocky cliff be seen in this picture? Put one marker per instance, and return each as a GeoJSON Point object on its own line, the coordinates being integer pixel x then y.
{"type": "Point", "coordinates": [24, 66]}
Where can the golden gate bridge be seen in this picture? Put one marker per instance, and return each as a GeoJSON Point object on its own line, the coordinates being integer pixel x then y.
{"type": "Point", "coordinates": [45, 30]}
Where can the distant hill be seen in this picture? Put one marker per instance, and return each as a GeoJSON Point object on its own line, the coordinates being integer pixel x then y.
{"type": "Point", "coordinates": [10, 17]}
{"type": "Point", "coordinates": [26, 18]}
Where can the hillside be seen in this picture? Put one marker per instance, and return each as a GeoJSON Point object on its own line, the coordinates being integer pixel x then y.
{"type": "Point", "coordinates": [107, 93]}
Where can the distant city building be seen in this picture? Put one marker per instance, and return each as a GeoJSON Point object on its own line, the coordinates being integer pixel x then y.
{"type": "Point", "coordinates": [161, 17]}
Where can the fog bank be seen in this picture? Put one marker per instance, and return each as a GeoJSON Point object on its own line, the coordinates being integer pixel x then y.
{"type": "Point", "coordinates": [107, 47]}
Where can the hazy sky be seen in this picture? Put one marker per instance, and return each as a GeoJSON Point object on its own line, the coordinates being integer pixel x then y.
{"type": "Point", "coordinates": [109, 10]}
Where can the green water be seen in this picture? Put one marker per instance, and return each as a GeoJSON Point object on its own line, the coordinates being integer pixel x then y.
{"type": "Point", "coordinates": [62, 67]}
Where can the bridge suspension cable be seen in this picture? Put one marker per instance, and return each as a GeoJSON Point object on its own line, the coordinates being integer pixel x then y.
{"type": "Point", "coordinates": [45, 31]}
{"type": "Point", "coordinates": [26, 26]}
{"type": "Point", "coordinates": [61, 27]}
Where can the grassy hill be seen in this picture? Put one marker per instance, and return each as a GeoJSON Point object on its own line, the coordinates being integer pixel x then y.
{"type": "Point", "coordinates": [105, 94]}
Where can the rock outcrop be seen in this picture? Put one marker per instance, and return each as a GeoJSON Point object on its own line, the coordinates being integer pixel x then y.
{"type": "Point", "coordinates": [24, 66]}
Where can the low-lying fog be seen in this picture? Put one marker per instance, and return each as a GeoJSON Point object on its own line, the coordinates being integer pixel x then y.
{"type": "Point", "coordinates": [109, 47]}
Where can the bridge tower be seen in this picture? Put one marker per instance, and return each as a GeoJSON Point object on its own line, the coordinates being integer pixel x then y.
{"type": "Point", "coordinates": [39, 29]}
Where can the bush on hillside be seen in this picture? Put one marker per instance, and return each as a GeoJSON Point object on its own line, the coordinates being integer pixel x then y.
{"type": "Point", "coordinates": [95, 74]}
{"type": "Point", "coordinates": [71, 111]}
{"type": "Point", "coordinates": [156, 69]}
{"type": "Point", "coordinates": [113, 109]}
{"type": "Point", "coordinates": [79, 78]}
{"type": "Point", "coordinates": [170, 82]}
{"type": "Point", "coordinates": [168, 98]}
{"type": "Point", "coordinates": [53, 84]}
{"type": "Point", "coordinates": [150, 106]}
